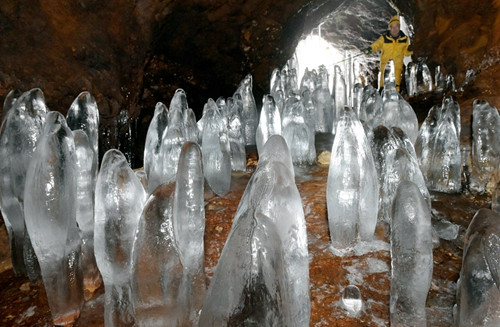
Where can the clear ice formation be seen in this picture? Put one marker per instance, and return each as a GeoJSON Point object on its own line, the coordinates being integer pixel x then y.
{"type": "Point", "coordinates": [269, 122]}
{"type": "Point", "coordinates": [418, 78]}
{"type": "Point", "coordinates": [152, 159]}
{"type": "Point", "coordinates": [411, 256]}
{"type": "Point", "coordinates": [397, 112]}
{"type": "Point", "coordinates": [352, 187]}
{"type": "Point", "coordinates": [158, 293]}
{"type": "Point", "coordinates": [339, 95]}
{"type": "Point", "coordinates": [371, 106]}
{"type": "Point", "coordinates": [190, 128]}
{"type": "Point", "coordinates": [395, 161]}
{"type": "Point", "coordinates": [169, 251]}
{"type": "Point", "coordinates": [262, 277]}
{"type": "Point", "coordinates": [478, 294]}
{"type": "Point", "coordinates": [236, 137]}
{"type": "Point", "coordinates": [249, 115]}
{"type": "Point", "coordinates": [216, 151]}
{"type": "Point", "coordinates": [50, 210]}
{"type": "Point", "coordinates": [485, 171]}
{"type": "Point", "coordinates": [83, 114]}
{"type": "Point", "coordinates": [86, 168]}
{"type": "Point", "coordinates": [189, 226]}
{"type": "Point", "coordinates": [352, 301]}
{"type": "Point", "coordinates": [438, 147]}
{"type": "Point", "coordinates": [295, 131]}
{"type": "Point", "coordinates": [119, 201]}
{"type": "Point", "coordinates": [20, 131]}
{"type": "Point", "coordinates": [9, 102]}
{"type": "Point", "coordinates": [322, 99]}
{"type": "Point", "coordinates": [171, 145]}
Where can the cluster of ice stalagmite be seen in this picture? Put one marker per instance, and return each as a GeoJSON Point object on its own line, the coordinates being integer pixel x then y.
{"type": "Point", "coordinates": [419, 80]}
{"type": "Point", "coordinates": [146, 236]}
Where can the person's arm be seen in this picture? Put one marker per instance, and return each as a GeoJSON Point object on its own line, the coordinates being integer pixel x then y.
{"type": "Point", "coordinates": [408, 50]}
{"type": "Point", "coordinates": [377, 45]}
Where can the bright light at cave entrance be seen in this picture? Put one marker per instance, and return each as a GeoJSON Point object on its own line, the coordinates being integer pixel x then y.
{"type": "Point", "coordinates": [315, 51]}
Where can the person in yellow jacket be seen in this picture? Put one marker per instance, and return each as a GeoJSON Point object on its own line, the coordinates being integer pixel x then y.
{"type": "Point", "coordinates": [395, 45]}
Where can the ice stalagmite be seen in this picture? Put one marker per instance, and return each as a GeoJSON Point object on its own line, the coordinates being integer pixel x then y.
{"type": "Point", "coordinates": [190, 129]}
{"type": "Point", "coordinates": [120, 199]}
{"type": "Point", "coordinates": [83, 114]}
{"type": "Point", "coordinates": [444, 173]}
{"type": "Point", "coordinates": [295, 131]}
{"type": "Point", "coordinates": [19, 134]}
{"type": "Point", "coordinates": [395, 162]}
{"type": "Point", "coordinates": [262, 277]}
{"type": "Point", "coordinates": [269, 122]}
{"type": "Point", "coordinates": [411, 253]}
{"type": "Point", "coordinates": [339, 94]}
{"type": "Point", "coordinates": [85, 183]}
{"type": "Point", "coordinates": [371, 106]}
{"type": "Point", "coordinates": [485, 154]}
{"type": "Point", "coordinates": [478, 294]}
{"type": "Point", "coordinates": [189, 227]}
{"type": "Point", "coordinates": [171, 144]}
{"type": "Point", "coordinates": [152, 162]}
{"type": "Point", "coordinates": [352, 186]}
{"type": "Point", "coordinates": [158, 293]}
{"type": "Point", "coordinates": [322, 99]}
{"type": "Point", "coordinates": [50, 209]}
{"type": "Point", "coordinates": [216, 151]}
{"type": "Point", "coordinates": [425, 139]}
{"type": "Point", "coordinates": [248, 113]}
{"type": "Point", "coordinates": [397, 112]}
{"type": "Point", "coordinates": [236, 137]}
{"type": "Point", "coordinates": [9, 102]}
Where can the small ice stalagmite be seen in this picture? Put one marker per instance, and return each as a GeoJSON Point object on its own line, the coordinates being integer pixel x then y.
{"type": "Point", "coordinates": [478, 294]}
{"type": "Point", "coordinates": [296, 132]}
{"type": "Point", "coordinates": [425, 139]}
{"type": "Point", "coordinates": [119, 201]}
{"type": "Point", "coordinates": [236, 138]}
{"type": "Point", "coordinates": [262, 277]}
{"type": "Point", "coordinates": [19, 134]}
{"type": "Point", "coordinates": [179, 101]}
{"type": "Point", "coordinates": [9, 102]}
{"type": "Point", "coordinates": [444, 173]}
{"type": "Point", "coordinates": [249, 111]}
{"type": "Point", "coordinates": [339, 94]}
{"type": "Point", "coordinates": [352, 187]}
{"type": "Point", "coordinates": [371, 106]}
{"type": "Point", "coordinates": [189, 226]}
{"type": "Point", "coordinates": [485, 173]}
{"type": "Point", "coordinates": [357, 98]}
{"type": "Point", "coordinates": [152, 163]}
{"type": "Point", "coordinates": [216, 151]}
{"type": "Point", "coordinates": [309, 109]}
{"type": "Point", "coordinates": [158, 293]}
{"type": "Point", "coordinates": [397, 113]}
{"type": "Point", "coordinates": [325, 111]}
{"type": "Point", "coordinates": [85, 186]}
{"type": "Point", "coordinates": [50, 208]}
{"type": "Point", "coordinates": [83, 114]}
{"type": "Point", "coordinates": [190, 129]}
{"type": "Point", "coordinates": [395, 162]}
{"type": "Point", "coordinates": [170, 150]}
{"type": "Point", "coordinates": [269, 122]}
{"type": "Point", "coordinates": [411, 253]}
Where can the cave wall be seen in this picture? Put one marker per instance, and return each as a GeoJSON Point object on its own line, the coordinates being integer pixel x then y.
{"type": "Point", "coordinates": [130, 55]}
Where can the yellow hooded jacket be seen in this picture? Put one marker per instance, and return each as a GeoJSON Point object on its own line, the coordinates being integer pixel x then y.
{"type": "Point", "coordinates": [395, 48]}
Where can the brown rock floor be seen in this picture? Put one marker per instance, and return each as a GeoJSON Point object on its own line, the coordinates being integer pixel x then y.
{"type": "Point", "coordinates": [23, 304]}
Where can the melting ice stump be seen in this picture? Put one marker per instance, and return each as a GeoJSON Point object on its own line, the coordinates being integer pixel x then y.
{"type": "Point", "coordinates": [262, 277]}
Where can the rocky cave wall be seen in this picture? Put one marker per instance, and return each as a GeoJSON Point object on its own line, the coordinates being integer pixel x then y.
{"type": "Point", "coordinates": [130, 55]}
